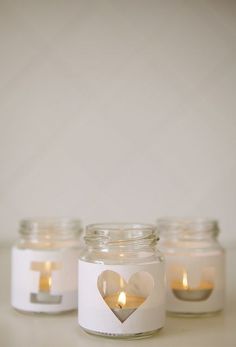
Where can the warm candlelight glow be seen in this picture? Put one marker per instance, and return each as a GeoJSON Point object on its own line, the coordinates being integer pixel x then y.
{"type": "Point", "coordinates": [183, 291]}
{"type": "Point", "coordinates": [185, 280]}
{"type": "Point", "coordinates": [122, 299]}
{"type": "Point", "coordinates": [50, 282]}
{"type": "Point", "coordinates": [45, 274]}
{"type": "Point", "coordinates": [121, 282]}
{"type": "Point", "coordinates": [123, 304]}
{"type": "Point", "coordinates": [47, 266]}
{"type": "Point", "coordinates": [45, 280]}
{"type": "Point", "coordinates": [45, 283]}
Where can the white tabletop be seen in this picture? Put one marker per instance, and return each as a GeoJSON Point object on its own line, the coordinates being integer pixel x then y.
{"type": "Point", "coordinates": [23, 330]}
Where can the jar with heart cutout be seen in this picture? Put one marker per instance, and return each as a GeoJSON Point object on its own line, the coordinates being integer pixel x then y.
{"type": "Point", "coordinates": [121, 281]}
{"type": "Point", "coordinates": [44, 265]}
{"type": "Point", "coordinates": [195, 265]}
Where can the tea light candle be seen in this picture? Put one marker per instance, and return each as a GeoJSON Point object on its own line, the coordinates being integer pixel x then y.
{"type": "Point", "coordinates": [121, 281]}
{"type": "Point", "coordinates": [44, 266]}
{"type": "Point", "coordinates": [194, 266]}
{"type": "Point", "coordinates": [123, 305]}
{"type": "Point", "coordinates": [184, 292]}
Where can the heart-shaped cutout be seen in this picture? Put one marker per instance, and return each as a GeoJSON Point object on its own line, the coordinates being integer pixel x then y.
{"type": "Point", "coordinates": [121, 297]}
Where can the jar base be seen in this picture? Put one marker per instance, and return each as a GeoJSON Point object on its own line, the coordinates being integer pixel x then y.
{"type": "Point", "coordinates": [193, 315]}
{"type": "Point", "coordinates": [41, 313]}
{"type": "Point", "coordinates": [136, 336]}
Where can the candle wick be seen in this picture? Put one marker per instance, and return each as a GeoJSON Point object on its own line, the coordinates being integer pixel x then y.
{"type": "Point", "coordinates": [120, 306]}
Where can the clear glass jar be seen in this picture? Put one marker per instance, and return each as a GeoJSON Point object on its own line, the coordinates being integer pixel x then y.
{"type": "Point", "coordinates": [121, 281]}
{"type": "Point", "coordinates": [195, 265]}
{"type": "Point", "coordinates": [44, 265]}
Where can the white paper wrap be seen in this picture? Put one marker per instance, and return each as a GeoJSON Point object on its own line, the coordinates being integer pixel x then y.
{"type": "Point", "coordinates": [25, 281]}
{"type": "Point", "coordinates": [96, 316]}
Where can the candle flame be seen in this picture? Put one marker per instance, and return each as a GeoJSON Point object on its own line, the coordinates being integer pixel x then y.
{"type": "Point", "coordinates": [50, 282]}
{"type": "Point", "coordinates": [121, 283]}
{"type": "Point", "coordinates": [104, 287]}
{"type": "Point", "coordinates": [45, 281]}
{"type": "Point", "coordinates": [122, 299]}
{"type": "Point", "coordinates": [185, 280]}
{"type": "Point", "coordinates": [47, 266]}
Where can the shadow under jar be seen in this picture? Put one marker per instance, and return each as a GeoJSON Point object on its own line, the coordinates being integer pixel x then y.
{"type": "Point", "coordinates": [44, 266]}
{"type": "Point", "coordinates": [195, 266]}
{"type": "Point", "coordinates": [121, 281]}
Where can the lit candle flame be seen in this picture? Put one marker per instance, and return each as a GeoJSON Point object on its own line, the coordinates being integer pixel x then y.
{"type": "Point", "coordinates": [45, 281]}
{"type": "Point", "coordinates": [122, 299]}
{"type": "Point", "coordinates": [185, 280]}
{"type": "Point", "coordinates": [47, 266]}
{"type": "Point", "coordinates": [121, 283]}
{"type": "Point", "coordinates": [104, 287]}
{"type": "Point", "coordinates": [50, 282]}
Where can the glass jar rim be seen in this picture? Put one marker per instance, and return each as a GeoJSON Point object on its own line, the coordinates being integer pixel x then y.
{"type": "Point", "coordinates": [61, 227]}
{"type": "Point", "coordinates": [188, 226]}
{"type": "Point", "coordinates": [121, 233]}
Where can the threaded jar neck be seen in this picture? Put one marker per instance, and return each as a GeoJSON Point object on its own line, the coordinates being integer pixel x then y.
{"type": "Point", "coordinates": [188, 228]}
{"type": "Point", "coordinates": [121, 235]}
{"type": "Point", "coordinates": [56, 229]}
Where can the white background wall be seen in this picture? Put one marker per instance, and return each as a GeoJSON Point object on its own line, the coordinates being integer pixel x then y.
{"type": "Point", "coordinates": [117, 110]}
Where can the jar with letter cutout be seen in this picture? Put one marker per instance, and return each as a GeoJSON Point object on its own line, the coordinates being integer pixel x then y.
{"type": "Point", "coordinates": [44, 265]}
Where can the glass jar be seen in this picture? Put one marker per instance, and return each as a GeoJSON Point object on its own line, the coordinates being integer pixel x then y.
{"type": "Point", "coordinates": [195, 265]}
{"type": "Point", "coordinates": [121, 281]}
{"type": "Point", "coordinates": [44, 265]}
